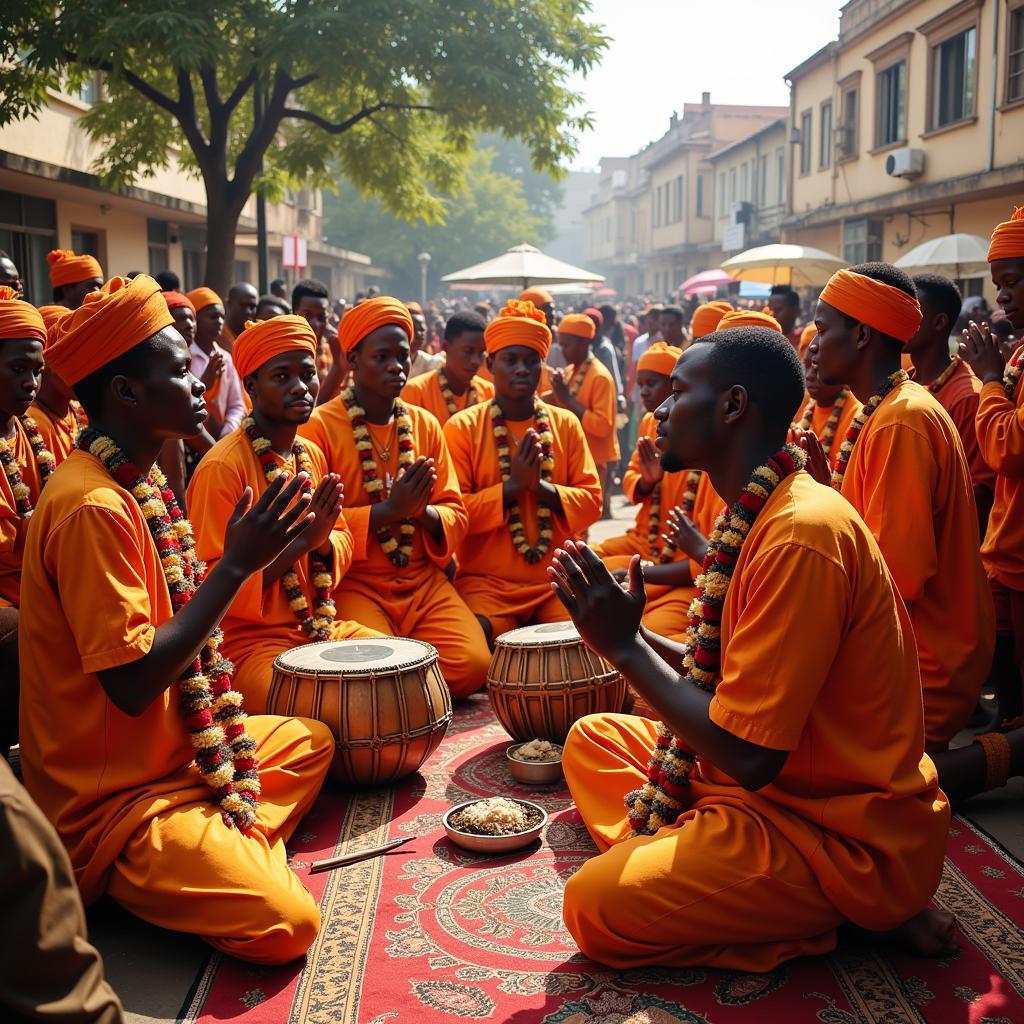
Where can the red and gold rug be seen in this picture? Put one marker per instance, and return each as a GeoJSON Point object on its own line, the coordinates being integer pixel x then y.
{"type": "Point", "coordinates": [430, 933]}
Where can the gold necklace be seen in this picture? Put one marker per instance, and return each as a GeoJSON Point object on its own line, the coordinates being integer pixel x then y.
{"type": "Point", "coordinates": [384, 454]}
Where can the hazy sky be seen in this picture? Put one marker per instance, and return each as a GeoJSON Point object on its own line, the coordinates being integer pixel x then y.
{"type": "Point", "coordinates": [664, 53]}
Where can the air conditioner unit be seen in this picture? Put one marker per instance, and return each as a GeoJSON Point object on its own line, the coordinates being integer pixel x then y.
{"type": "Point", "coordinates": [905, 163]}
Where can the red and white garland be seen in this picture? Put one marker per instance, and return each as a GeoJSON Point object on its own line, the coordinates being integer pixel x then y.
{"type": "Point", "coordinates": [828, 433]}
{"type": "Point", "coordinates": [846, 450]}
{"type": "Point", "coordinates": [669, 544]}
{"type": "Point", "coordinates": [44, 460]}
{"type": "Point", "coordinates": [580, 375]}
{"type": "Point", "coordinates": [1012, 374]}
{"type": "Point", "coordinates": [449, 396]}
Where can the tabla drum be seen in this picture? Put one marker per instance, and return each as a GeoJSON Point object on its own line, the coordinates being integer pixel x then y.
{"type": "Point", "coordinates": [384, 699]}
{"type": "Point", "coordinates": [636, 705]}
{"type": "Point", "coordinates": [543, 678]}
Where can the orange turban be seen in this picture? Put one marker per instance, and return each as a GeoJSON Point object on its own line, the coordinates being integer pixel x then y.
{"type": "Point", "coordinates": [67, 267]}
{"type": "Point", "coordinates": [593, 311]}
{"type": "Point", "coordinates": [879, 305]}
{"type": "Point", "coordinates": [176, 299]}
{"type": "Point", "coordinates": [263, 339]}
{"type": "Point", "coordinates": [19, 319]}
{"type": "Point", "coordinates": [203, 297]}
{"type": "Point", "coordinates": [807, 335]}
{"type": "Point", "coordinates": [659, 358]}
{"type": "Point", "coordinates": [50, 315]}
{"type": "Point", "coordinates": [1008, 238]}
{"type": "Point", "coordinates": [121, 315]}
{"type": "Point", "coordinates": [748, 318]}
{"type": "Point", "coordinates": [368, 316]}
{"type": "Point", "coordinates": [519, 323]}
{"type": "Point", "coordinates": [537, 296]}
{"type": "Point", "coordinates": [414, 307]}
{"type": "Point", "coordinates": [705, 319]}
{"type": "Point", "coordinates": [578, 324]}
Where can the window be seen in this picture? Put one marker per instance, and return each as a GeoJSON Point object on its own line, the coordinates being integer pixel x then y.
{"type": "Point", "coordinates": [86, 243]}
{"type": "Point", "coordinates": [892, 105]}
{"type": "Point", "coordinates": [28, 231]}
{"type": "Point", "coordinates": [805, 142]}
{"type": "Point", "coordinates": [679, 198]}
{"type": "Point", "coordinates": [193, 250]}
{"type": "Point", "coordinates": [721, 194]}
{"type": "Point", "coordinates": [953, 75]}
{"type": "Point", "coordinates": [1015, 57]}
{"type": "Point", "coordinates": [862, 240]}
{"type": "Point", "coordinates": [732, 184]}
{"type": "Point", "coordinates": [847, 138]}
{"type": "Point", "coordinates": [762, 180]}
{"type": "Point", "coordinates": [157, 236]}
{"type": "Point", "coordinates": [780, 170]}
{"type": "Point", "coordinates": [825, 141]}
{"type": "Point", "coordinates": [700, 195]}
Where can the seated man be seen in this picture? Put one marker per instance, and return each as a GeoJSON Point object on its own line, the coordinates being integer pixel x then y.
{"type": "Point", "coordinates": [134, 744]}
{"type": "Point", "coordinates": [72, 277]}
{"type": "Point", "coordinates": [292, 602]}
{"type": "Point", "coordinates": [402, 500]}
{"type": "Point", "coordinates": [785, 790]}
{"type": "Point", "coordinates": [527, 478]}
{"type": "Point", "coordinates": [55, 411]}
{"type": "Point", "coordinates": [454, 386]}
{"type": "Point", "coordinates": [829, 411]}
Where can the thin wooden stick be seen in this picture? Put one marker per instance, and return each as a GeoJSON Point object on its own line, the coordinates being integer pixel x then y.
{"type": "Point", "coordinates": [352, 858]}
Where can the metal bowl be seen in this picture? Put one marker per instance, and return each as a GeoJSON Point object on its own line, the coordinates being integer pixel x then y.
{"type": "Point", "coordinates": [493, 844]}
{"type": "Point", "coordinates": [533, 773]}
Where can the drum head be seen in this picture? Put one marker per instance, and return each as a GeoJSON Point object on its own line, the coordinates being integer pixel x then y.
{"type": "Point", "coordinates": [542, 635]}
{"type": "Point", "coordinates": [357, 657]}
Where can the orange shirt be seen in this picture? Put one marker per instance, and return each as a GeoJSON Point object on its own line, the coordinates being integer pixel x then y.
{"type": "Point", "coordinates": [960, 396]}
{"type": "Point", "coordinates": [59, 433]}
{"type": "Point", "coordinates": [425, 391]}
{"type": "Point", "coordinates": [487, 549]}
{"type": "Point", "coordinates": [856, 796]}
{"type": "Point", "coordinates": [12, 527]}
{"type": "Point", "coordinates": [820, 418]}
{"type": "Point", "coordinates": [330, 429]}
{"type": "Point", "coordinates": [598, 398]}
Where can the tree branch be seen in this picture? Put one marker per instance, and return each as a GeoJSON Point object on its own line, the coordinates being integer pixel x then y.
{"type": "Point", "coordinates": [336, 128]}
{"type": "Point", "coordinates": [140, 85]}
{"type": "Point", "coordinates": [247, 82]}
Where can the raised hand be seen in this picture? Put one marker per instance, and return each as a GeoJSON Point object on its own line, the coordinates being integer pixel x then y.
{"type": "Point", "coordinates": [817, 461]}
{"type": "Point", "coordinates": [412, 489]}
{"type": "Point", "coordinates": [650, 462]}
{"type": "Point", "coordinates": [214, 370]}
{"type": "Point", "coordinates": [257, 534]}
{"type": "Point", "coordinates": [325, 507]}
{"type": "Point", "coordinates": [681, 530]}
{"type": "Point", "coordinates": [981, 350]}
{"type": "Point", "coordinates": [559, 387]}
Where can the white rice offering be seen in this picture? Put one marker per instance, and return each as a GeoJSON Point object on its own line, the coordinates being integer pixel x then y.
{"type": "Point", "coordinates": [538, 750]}
{"type": "Point", "coordinates": [497, 816]}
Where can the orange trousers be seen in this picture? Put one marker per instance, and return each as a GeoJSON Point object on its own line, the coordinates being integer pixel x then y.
{"type": "Point", "coordinates": [668, 608]}
{"type": "Point", "coordinates": [508, 605]}
{"type": "Point", "coordinates": [719, 888]}
{"type": "Point", "coordinates": [185, 870]}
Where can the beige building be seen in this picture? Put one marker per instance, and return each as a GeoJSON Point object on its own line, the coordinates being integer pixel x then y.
{"type": "Point", "coordinates": [909, 126]}
{"type": "Point", "coordinates": [50, 199]}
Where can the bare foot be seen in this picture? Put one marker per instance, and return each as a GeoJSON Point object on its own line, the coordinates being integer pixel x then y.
{"type": "Point", "coordinates": [932, 934]}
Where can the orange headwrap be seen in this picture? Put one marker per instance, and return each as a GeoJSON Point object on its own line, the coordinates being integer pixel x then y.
{"type": "Point", "coordinates": [203, 297]}
{"type": "Point", "coordinates": [537, 296]}
{"type": "Point", "coordinates": [879, 305]}
{"type": "Point", "coordinates": [263, 339]}
{"type": "Point", "coordinates": [807, 335]}
{"type": "Point", "coordinates": [705, 319]}
{"type": "Point", "coordinates": [519, 323]}
{"type": "Point", "coordinates": [176, 299]}
{"type": "Point", "coordinates": [593, 311]}
{"type": "Point", "coordinates": [368, 316]}
{"type": "Point", "coordinates": [67, 267]}
{"type": "Point", "coordinates": [578, 324]}
{"type": "Point", "coordinates": [50, 315]}
{"type": "Point", "coordinates": [1008, 238]}
{"type": "Point", "coordinates": [748, 318]}
{"type": "Point", "coordinates": [19, 319]}
{"type": "Point", "coordinates": [121, 315]}
{"type": "Point", "coordinates": [659, 358]}
{"type": "Point", "coordinates": [414, 307]}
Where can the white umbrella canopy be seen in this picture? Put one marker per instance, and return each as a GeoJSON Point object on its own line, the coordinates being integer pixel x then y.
{"type": "Point", "coordinates": [955, 255]}
{"type": "Point", "coordinates": [796, 265]}
{"type": "Point", "coordinates": [521, 266]}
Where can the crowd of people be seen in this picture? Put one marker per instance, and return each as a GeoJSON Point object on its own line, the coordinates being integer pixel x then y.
{"type": "Point", "coordinates": [825, 566]}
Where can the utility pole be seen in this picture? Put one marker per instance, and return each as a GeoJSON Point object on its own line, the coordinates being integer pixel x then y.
{"type": "Point", "coordinates": [261, 204]}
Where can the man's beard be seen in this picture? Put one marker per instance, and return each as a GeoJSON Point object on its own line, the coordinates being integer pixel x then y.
{"type": "Point", "coordinates": [671, 463]}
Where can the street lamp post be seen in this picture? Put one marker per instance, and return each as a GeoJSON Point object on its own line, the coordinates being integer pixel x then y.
{"type": "Point", "coordinates": [424, 261]}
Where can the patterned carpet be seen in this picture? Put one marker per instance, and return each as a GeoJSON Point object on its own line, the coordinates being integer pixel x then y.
{"type": "Point", "coordinates": [431, 933]}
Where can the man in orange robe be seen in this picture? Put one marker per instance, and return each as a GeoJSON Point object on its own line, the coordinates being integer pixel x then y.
{"type": "Point", "coordinates": [72, 277]}
{"type": "Point", "coordinates": [55, 412]}
{"type": "Point", "coordinates": [828, 411]}
{"type": "Point", "coordinates": [456, 384]}
{"type": "Point", "coordinates": [546, 491]}
{"type": "Point", "coordinates": [812, 803]}
{"type": "Point", "coordinates": [908, 478]}
{"type": "Point", "coordinates": [108, 748]}
{"type": "Point", "coordinates": [402, 500]}
{"type": "Point", "coordinates": [277, 360]}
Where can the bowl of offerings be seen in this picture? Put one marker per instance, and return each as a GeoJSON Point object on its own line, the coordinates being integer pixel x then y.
{"type": "Point", "coordinates": [496, 824]}
{"type": "Point", "coordinates": [536, 763]}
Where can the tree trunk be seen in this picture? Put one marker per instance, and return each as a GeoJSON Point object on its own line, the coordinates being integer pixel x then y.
{"type": "Point", "coordinates": [221, 224]}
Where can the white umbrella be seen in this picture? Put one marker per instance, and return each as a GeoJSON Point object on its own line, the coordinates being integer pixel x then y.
{"type": "Point", "coordinates": [797, 265]}
{"type": "Point", "coordinates": [955, 255]}
{"type": "Point", "coordinates": [522, 266]}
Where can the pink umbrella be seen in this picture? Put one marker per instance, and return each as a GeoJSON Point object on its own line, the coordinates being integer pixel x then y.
{"type": "Point", "coordinates": [605, 293]}
{"type": "Point", "coordinates": [707, 282]}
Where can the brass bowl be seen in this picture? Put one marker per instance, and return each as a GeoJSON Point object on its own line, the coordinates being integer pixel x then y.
{"type": "Point", "coordinates": [493, 844]}
{"type": "Point", "coordinates": [533, 773]}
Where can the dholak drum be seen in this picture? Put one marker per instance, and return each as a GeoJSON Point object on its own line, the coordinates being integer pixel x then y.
{"type": "Point", "coordinates": [543, 678]}
{"type": "Point", "coordinates": [384, 699]}
{"type": "Point", "coordinates": [636, 705]}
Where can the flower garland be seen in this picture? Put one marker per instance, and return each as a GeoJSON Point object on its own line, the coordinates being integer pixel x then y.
{"type": "Point", "coordinates": [659, 801]}
{"type": "Point", "coordinates": [940, 382]}
{"type": "Point", "coordinates": [828, 433]}
{"type": "Point", "coordinates": [846, 450]}
{"type": "Point", "coordinates": [449, 396]}
{"type": "Point", "coordinates": [547, 464]}
{"type": "Point", "coordinates": [44, 460]}
{"type": "Point", "coordinates": [580, 375]}
{"type": "Point", "coordinates": [669, 544]}
{"type": "Point", "coordinates": [214, 715]}
{"type": "Point", "coordinates": [317, 626]}
{"type": "Point", "coordinates": [1012, 374]}
{"type": "Point", "coordinates": [398, 551]}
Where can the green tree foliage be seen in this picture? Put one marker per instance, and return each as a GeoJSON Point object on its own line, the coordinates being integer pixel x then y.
{"type": "Point", "coordinates": [259, 94]}
{"type": "Point", "coordinates": [486, 216]}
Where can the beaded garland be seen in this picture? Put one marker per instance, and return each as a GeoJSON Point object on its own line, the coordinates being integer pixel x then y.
{"type": "Point", "coordinates": [44, 460]}
{"type": "Point", "coordinates": [547, 464]}
{"type": "Point", "coordinates": [398, 551]}
{"type": "Point", "coordinates": [669, 543]}
{"type": "Point", "coordinates": [940, 382]}
{"type": "Point", "coordinates": [214, 713]}
{"type": "Point", "coordinates": [828, 433]}
{"type": "Point", "coordinates": [1012, 374]}
{"type": "Point", "coordinates": [317, 626]}
{"type": "Point", "coordinates": [580, 375]}
{"type": "Point", "coordinates": [449, 396]}
{"type": "Point", "coordinates": [846, 450]}
{"type": "Point", "coordinates": [659, 801]}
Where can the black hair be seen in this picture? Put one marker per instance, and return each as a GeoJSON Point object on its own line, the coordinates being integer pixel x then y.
{"type": "Point", "coordinates": [675, 311]}
{"type": "Point", "coordinates": [462, 323]}
{"type": "Point", "coordinates": [308, 288]}
{"type": "Point", "coordinates": [608, 311]}
{"type": "Point", "coordinates": [791, 297]}
{"type": "Point", "coordinates": [765, 363]}
{"type": "Point", "coordinates": [168, 281]}
{"type": "Point", "coordinates": [941, 295]}
{"type": "Point", "coordinates": [273, 300]}
{"type": "Point", "coordinates": [278, 280]}
{"type": "Point", "coordinates": [91, 391]}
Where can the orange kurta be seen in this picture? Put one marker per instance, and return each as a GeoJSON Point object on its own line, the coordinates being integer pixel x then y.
{"type": "Point", "coordinates": [416, 601]}
{"type": "Point", "coordinates": [960, 396]}
{"type": "Point", "coordinates": [598, 398]}
{"type": "Point", "coordinates": [853, 828]}
{"type": "Point", "coordinates": [123, 793]}
{"type": "Point", "coordinates": [908, 478]}
{"type": "Point", "coordinates": [259, 625]}
{"type": "Point", "coordinates": [59, 432]}
{"type": "Point", "coordinates": [425, 391]}
{"type": "Point", "coordinates": [12, 527]}
{"type": "Point", "coordinates": [820, 418]}
{"type": "Point", "coordinates": [494, 579]}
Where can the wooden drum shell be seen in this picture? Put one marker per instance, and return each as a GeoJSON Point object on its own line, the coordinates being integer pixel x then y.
{"type": "Point", "coordinates": [386, 721]}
